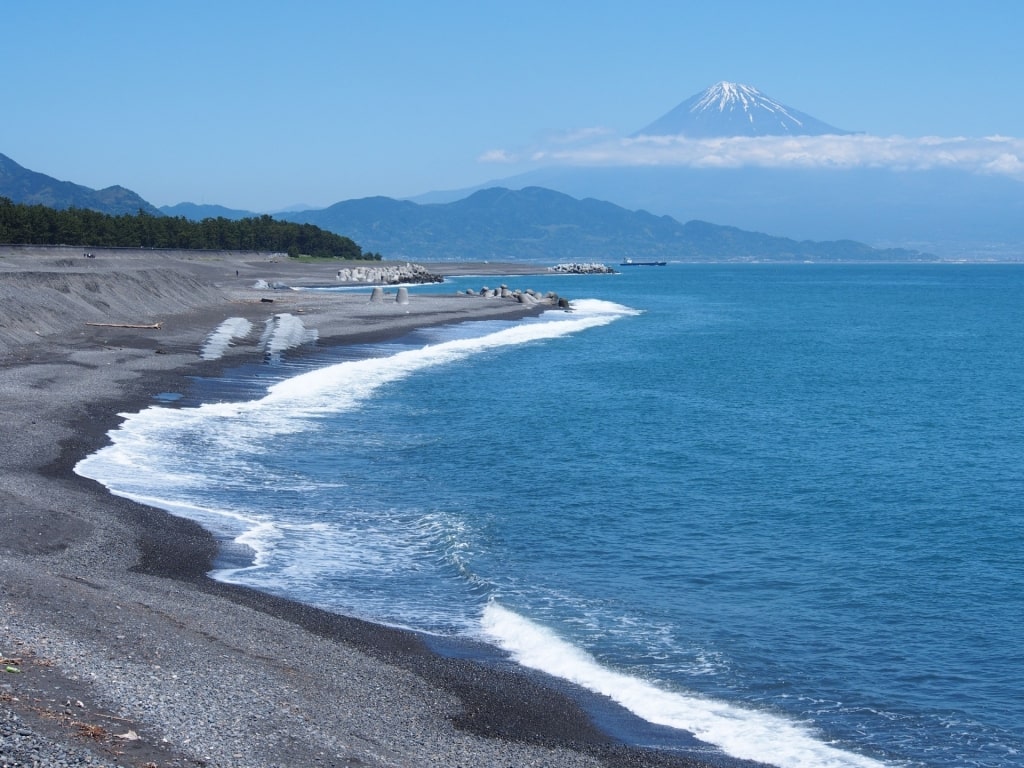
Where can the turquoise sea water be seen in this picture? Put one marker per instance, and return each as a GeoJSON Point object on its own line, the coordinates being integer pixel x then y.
{"type": "Point", "coordinates": [780, 507]}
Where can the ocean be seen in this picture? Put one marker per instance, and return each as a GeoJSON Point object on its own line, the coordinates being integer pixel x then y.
{"type": "Point", "coordinates": [779, 507]}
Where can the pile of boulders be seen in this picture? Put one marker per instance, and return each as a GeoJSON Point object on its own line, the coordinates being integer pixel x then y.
{"type": "Point", "coordinates": [528, 297]}
{"type": "Point", "coordinates": [583, 269]}
{"type": "Point", "coordinates": [395, 274]}
{"type": "Point", "coordinates": [391, 274]}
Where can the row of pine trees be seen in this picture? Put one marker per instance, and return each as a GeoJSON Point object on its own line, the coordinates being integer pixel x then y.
{"type": "Point", "coordinates": [41, 225]}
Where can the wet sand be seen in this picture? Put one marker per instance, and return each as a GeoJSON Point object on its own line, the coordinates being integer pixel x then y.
{"type": "Point", "coordinates": [117, 649]}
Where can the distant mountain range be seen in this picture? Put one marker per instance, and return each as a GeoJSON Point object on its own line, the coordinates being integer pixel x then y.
{"type": "Point", "coordinates": [531, 224]}
{"type": "Point", "coordinates": [945, 210]}
{"type": "Point", "coordinates": [942, 210]}
{"type": "Point", "coordinates": [24, 186]}
{"type": "Point", "coordinates": [733, 109]}
{"type": "Point", "coordinates": [536, 224]}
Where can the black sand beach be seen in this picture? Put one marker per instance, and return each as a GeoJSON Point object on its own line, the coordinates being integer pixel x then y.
{"type": "Point", "coordinates": [117, 649]}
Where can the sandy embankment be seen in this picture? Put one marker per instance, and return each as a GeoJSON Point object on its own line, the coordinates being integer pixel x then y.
{"type": "Point", "coordinates": [124, 652]}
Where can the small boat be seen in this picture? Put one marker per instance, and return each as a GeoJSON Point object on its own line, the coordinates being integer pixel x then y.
{"type": "Point", "coordinates": [631, 263]}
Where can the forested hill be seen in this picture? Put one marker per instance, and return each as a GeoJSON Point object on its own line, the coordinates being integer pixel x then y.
{"type": "Point", "coordinates": [42, 225]}
{"type": "Point", "coordinates": [33, 188]}
{"type": "Point", "coordinates": [537, 224]}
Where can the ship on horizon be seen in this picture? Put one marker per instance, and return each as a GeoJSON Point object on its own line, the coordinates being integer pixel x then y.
{"type": "Point", "coordinates": [631, 263]}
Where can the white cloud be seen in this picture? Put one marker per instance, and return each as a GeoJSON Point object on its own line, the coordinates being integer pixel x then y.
{"type": "Point", "coordinates": [993, 155]}
{"type": "Point", "coordinates": [497, 156]}
{"type": "Point", "coordinates": [580, 138]}
{"type": "Point", "coordinates": [1007, 164]}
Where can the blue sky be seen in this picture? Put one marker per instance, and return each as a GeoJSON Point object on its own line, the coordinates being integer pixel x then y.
{"type": "Point", "coordinates": [261, 105]}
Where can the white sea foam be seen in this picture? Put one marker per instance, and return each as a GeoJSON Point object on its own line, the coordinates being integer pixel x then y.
{"type": "Point", "coordinates": [285, 331]}
{"type": "Point", "coordinates": [218, 341]}
{"type": "Point", "coordinates": [342, 386]}
{"type": "Point", "coordinates": [282, 332]}
{"type": "Point", "coordinates": [167, 457]}
{"type": "Point", "coordinates": [741, 733]}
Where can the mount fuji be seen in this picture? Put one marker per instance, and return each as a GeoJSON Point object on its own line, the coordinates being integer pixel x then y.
{"type": "Point", "coordinates": [733, 109]}
{"type": "Point", "coordinates": [950, 211]}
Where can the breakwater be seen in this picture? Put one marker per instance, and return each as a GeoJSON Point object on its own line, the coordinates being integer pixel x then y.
{"type": "Point", "coordinates": [388, 275]}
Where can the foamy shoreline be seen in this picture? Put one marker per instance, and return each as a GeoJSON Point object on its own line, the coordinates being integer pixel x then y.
{"type": "Point", "coordinates": [106, 603]}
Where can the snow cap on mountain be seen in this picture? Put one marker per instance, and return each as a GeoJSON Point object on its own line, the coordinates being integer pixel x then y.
{"type": "Point", "coordinates": [733, 109]}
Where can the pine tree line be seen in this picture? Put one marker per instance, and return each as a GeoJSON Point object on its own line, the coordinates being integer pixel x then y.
{"type": "Point", "coordinates": [41, 225]}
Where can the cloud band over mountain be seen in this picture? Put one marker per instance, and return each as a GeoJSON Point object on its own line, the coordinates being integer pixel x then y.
{"type": "Point", "coordinates": [990, 155]}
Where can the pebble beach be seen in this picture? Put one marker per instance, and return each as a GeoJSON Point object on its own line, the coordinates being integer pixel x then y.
{"type": "Point", "coordinates": [117, 648]}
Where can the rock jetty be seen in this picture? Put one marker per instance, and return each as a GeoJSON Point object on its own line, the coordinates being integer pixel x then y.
{"type": "Point", "coordinates": [583, 269]}
{"type": "Point", "coordinates": [394, 274]}
{"type": "Point", "coordinates": [528, 297]}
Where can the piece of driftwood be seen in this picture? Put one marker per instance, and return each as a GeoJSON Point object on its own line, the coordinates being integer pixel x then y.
{"type": "Point", "coordinates": [145, 327]}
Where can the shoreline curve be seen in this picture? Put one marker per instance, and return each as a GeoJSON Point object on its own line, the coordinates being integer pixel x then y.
{"type": "Point", "coordinates": [106, 606]}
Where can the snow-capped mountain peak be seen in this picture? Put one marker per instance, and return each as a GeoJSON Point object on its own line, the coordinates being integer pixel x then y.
{"type": "Point", "coordinates": [734, 109]}
{"type": "Point", "coordinates": [730, 96]}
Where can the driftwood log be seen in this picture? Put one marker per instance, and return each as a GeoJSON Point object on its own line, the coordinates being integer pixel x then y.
{"type": "Point", "coordinates": [146, 327]}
